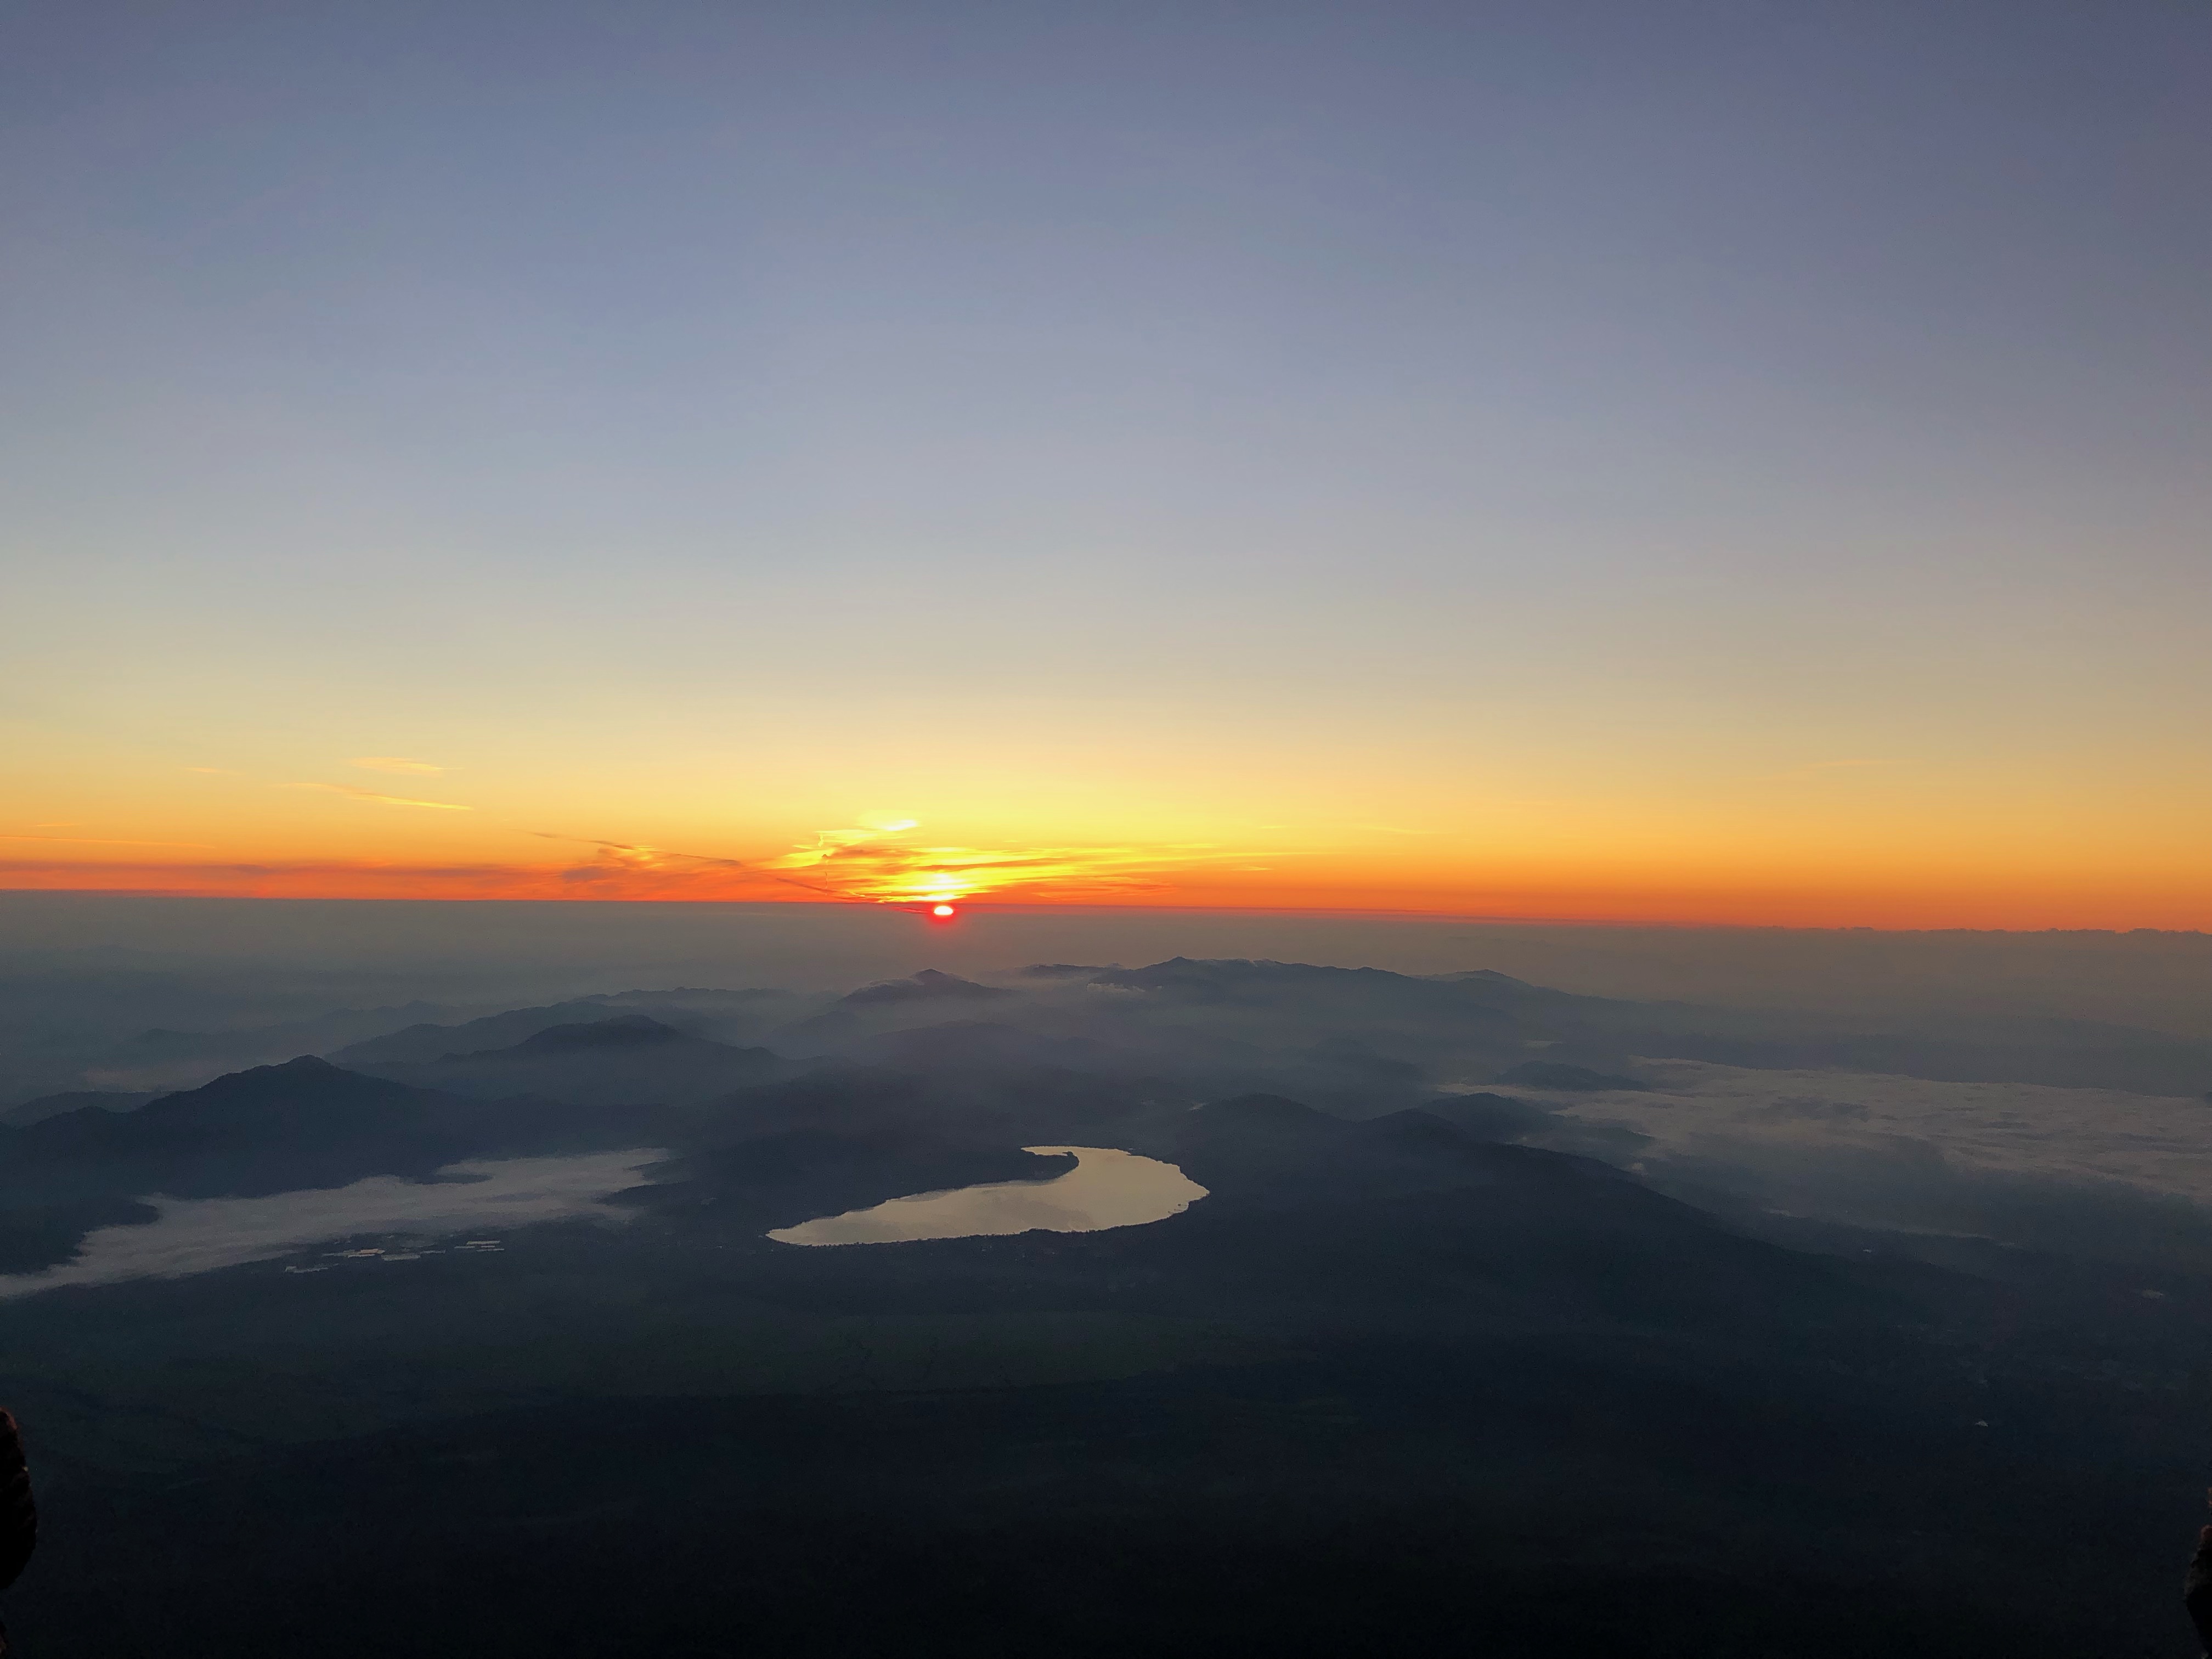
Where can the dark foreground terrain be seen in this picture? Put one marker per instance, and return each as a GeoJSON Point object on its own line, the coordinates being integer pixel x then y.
{"type": "Point", "coordinates": [1405, 1383]}
{"type": "Point", "coordinates": [1396, 1478]}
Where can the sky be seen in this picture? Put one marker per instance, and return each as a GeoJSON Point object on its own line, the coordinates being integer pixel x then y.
{"type": "Point", "coordinates": [1727, 463]}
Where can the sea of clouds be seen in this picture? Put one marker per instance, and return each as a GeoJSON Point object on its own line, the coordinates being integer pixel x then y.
{"type": "Point", "coordinates": [2088, 1170]}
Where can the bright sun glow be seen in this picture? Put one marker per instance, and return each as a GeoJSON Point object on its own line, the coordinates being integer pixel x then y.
{"type": "Point", "coordinates": [941, 909]}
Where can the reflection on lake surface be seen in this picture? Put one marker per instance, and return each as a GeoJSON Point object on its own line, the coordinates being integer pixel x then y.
{"type": "Point", "coordinates": [1106, 1188]}
{"type": "Point", "coordinates": [197, 1234]}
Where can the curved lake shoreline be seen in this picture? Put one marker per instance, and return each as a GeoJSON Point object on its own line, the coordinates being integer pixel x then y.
{"type": "Point", "coordinates": [1107, 1187]}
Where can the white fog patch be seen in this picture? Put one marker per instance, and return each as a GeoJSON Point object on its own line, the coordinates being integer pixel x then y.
{"type": "Point", "coordinates": [2157, 1144]}
{"type": "Point", "coordinates": [199, 1234]}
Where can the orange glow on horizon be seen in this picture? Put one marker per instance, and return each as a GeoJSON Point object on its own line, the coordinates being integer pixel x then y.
{"type": "Point", "coordinates": [1652, 870]}
{"type": "Point", "coordinates": [1880, 899]}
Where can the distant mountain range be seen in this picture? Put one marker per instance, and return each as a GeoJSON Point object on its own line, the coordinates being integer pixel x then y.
{"type": "Point", "coordinates": [1442, 1357]}
{"type": "Point", "coordinates": [630, 1060]}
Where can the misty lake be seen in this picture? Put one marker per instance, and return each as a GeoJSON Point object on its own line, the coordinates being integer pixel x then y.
{"type": "Point", "coordinates": [199, 1235]}
{"type": "Point", "coordinates": [1106, 1188]}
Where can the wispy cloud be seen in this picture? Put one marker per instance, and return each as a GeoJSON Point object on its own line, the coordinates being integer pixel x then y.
{"type": "Point", "coordinates": [875, 864]}
{"type": "Point", "coordinates": [292, 878]}
{"type": "Point", "coordinates": [398, 764]}
{"type": "Point", "coordinates": [383, 800]}
{"type": "Point", "coordinates": [868, 864]}
{"type": "Point", "coordinates": [621, 860]}
{"type": "Point", "coordinates": [98, 841]}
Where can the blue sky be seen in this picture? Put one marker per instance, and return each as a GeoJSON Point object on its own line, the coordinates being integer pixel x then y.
{"type": "Point", "coordinates": [1473, 399]}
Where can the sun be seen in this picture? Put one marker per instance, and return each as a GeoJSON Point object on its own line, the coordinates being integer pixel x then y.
{"type": "Point", "coordinates": [941, 909]}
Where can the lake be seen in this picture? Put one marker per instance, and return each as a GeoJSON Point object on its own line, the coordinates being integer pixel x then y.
{"type": "Point", "coordinates": [199, 1234]}
{"type": "Point", "coordinates": [1106, 1188]}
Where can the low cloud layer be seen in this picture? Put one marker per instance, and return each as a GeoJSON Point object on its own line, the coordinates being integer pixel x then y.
{"type": "Point", "coordinates": [196, 1236]}
{"type": "Point", "coordinates": [2158, 1145]}
{"type": "Point", "coordinates": [2091, 1169]}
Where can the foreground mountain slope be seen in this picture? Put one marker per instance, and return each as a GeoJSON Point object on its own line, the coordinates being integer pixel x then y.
{"type": "Point", "coordinates": [1476, 1395]}
{"type": "Point", "coordinates": [1393, 1387]}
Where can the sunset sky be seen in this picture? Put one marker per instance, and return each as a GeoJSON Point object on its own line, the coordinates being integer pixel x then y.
{"type": "Point", "coordinates": [1701, 462]}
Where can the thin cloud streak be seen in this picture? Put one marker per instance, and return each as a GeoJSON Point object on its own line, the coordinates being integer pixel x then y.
{"type": "Point", "coordinates": [866, 865]}
{"type": "Point", "coordinates": [396, 763]}
{"type": "Point", "coordinates": [862, 864]}
{"type": "Point", "coordinates": [620, 861]}
{"type": "Point", "coordinates": [98, 841]}
{"type": "Point", "coordinates": [383, 800]}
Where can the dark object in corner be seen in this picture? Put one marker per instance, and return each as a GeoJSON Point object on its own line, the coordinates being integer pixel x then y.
{"type": "Point", "coordinates": [2196, 1589]}
{"type": "Point", "coordinates": [1558, 1074]}
{"type": "Point", "coordinates": [19, 1516]}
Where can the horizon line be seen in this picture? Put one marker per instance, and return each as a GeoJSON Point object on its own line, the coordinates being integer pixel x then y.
{"type": "Point", "coordinates": [971, 908]}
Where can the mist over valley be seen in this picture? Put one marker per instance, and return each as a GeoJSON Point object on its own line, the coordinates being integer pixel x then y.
{"type": "Point", "coordinates": [1415, 1297]}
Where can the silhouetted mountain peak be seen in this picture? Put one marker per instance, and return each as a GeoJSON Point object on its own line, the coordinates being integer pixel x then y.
{"type": "Point", "coordinates": [1220, 973]}
{"type": "Point", "coordinates": [1413, 1130]}
{"type": "Point", "coordinates": [630, 1060]}
{"type": "Point", "coordinates": [430, 1043]}
{"type": "Point", "coordinates": [305, 1081]}
{"type": "Point", "coordinates": [929, 982]}
{"type": "Point", "coordinates": [285, 1079]}
{"type": "Point", "coordinates": [624, 1032]}
{"type": "Point", "coordinates": [981, 1043]}
{"type": "Point", "coordinates": [1490, 1116]}
{"type": "Point", "coordinates": [1273, 1112]}
{"type": "Point", "coordinates": [251, 1117]}
{"type": "Point", "coordinates": [76, 1100]}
